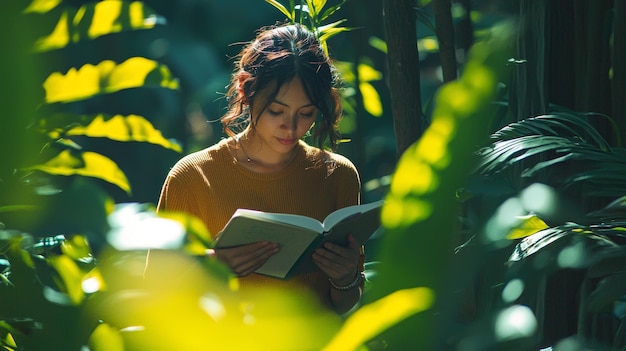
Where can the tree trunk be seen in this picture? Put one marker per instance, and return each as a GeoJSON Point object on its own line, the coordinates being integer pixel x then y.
{"type": "Point", "coordinates": [404, 75]}
{"type": "Point", "coordinates": [464, 36]}
{"type": "Point", "coordinates": [527, 94]}
{"type": "Point", "coordinates": [619, 69]}
{"type": "Point", "coordinates": [445, 35]}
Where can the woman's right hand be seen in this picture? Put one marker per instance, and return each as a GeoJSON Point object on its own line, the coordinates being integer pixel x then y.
{"type": "Point", "coordinates": [245, 259]}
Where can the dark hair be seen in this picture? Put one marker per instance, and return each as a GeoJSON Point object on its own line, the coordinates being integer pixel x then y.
{"type": "Point", "coordinates": [276, 56]}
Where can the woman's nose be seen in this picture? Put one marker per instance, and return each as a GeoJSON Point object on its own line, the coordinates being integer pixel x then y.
{"type": "Point", "coordinates": [290, 122]}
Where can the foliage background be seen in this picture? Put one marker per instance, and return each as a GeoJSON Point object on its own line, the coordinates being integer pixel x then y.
{"type": "Point", "coordinates": [44, 301]}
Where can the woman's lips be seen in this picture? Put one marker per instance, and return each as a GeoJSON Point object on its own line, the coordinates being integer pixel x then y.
{"type": "Point", "coordinates": [286, 141]}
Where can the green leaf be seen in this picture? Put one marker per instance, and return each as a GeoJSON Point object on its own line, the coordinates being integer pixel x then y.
{"type": "Point", "coordinates": [124, 128]}
{"type": "Point", "coordinates": [371, 99]}
{"type": "Point", "coordinates": [529, 225]}
{"type": "Point", "coordinates": [283, 9]}
{"type": "Point", "coordinates": [71, 276]}
{"type": "Point", "coordinates": [76, 247]}
{"type": "Point", "coordinates": [313, 9]}
{"type": "Point", "coordinates": [106, 338]}
{"type": "Point", "coordinates": [331, 10]}
{"type": "Point", "coordinates": [367, 73]}
{"type": "Point", "coordinates": [88, 164]}
{"type": "Point", "coordinates": [372, 319]}
{"type": "Point", "coordinates": [379, 44]}
{"type": "Point", "coordinates": [93, 20]}
{"type": "Point", "coordinates": [107, 77]}
{"type": "Point", "coordinates": [42, 6]}
{"type": "Point", "coordinates": [326, 31]}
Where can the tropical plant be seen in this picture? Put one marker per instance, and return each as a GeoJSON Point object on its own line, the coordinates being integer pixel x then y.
{"type": "Point", "coordinates": [357, 76]}
{"type": "Point", "coordinates": [568, 272]}
{"type": "Point", "coordinates": [56, 192]}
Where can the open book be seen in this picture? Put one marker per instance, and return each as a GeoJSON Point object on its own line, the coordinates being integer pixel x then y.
{"type": "Point", "coordinates": [298, 236]}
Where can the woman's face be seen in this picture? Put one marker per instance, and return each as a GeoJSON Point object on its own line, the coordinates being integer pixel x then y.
{"type": "Point", "coordinates": [287, 119]}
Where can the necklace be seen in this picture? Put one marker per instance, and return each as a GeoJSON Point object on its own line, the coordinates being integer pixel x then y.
{"type": "Point", "coordinates": [243, 150]}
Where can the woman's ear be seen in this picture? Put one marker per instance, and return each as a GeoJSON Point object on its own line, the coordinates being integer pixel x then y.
{"type": "Point", "coordinates": [241, 80]}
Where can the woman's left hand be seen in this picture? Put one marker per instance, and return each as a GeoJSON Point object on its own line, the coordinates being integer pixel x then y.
{"type": "Point", "coordinates": [340, 263]}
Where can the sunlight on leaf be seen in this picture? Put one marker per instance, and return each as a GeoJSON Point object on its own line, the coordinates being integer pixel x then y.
{"type": "Point", "coordinates": [329, 31]}
{"type": "Point", "coordinates": [93, 282]}
{"type": "Point", "coordinates": [124, 128]}
{"type": "Point", "coordinates": [76, 247]}
{"type": "Point", "coordinates": [42, 6]}
{"type": "Point", "coordinates": [371, 99]}
{"type": "Point", "coordinates": [529, 225]}
{"type": "Point", "coordinates": [136, 72]}
{"type": "Point", "coordinates": [401, 213]}
{"type": "Point", "coordinates": [372, 319]}
{"type": "Point", "coordinates": [94, 20]}
{"type": "Point", "coordinates": [106, 338]}
{"type": "Point", "coordinates": [106, 77]}
{"type": "Point", "coordinates": [75, 84]}
{"type": "Point", "coordinates": [413, 176]}
{"type": "Point", "coordinates": [368, 73]}
{"type": "Point", "coordinates": [282, 9]}
{"type": "Point", "coordinates": [428, 44]}
{"type": "Point", "coordinates": [8, 341]}
{"type": "Point", "coordinates": [110, 17]}
{"type": "Point", "coordinates": [173, 300]}
{"type": "Point", "coordinates": [433, 146]}
{"type": "Point", "coordinates": [59, 37]}
{"type": "Point", "coordinates": [71, 276]}
{"type": "Point", "coordinates": [378, 43]}
{"type": "Point", "coordinates": [319, 5]}
{"type": "Point", "coordinates": [88, 164]}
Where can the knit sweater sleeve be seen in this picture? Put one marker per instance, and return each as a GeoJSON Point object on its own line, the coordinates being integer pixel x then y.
{"type": "Point", "coordinates": [177, 191]}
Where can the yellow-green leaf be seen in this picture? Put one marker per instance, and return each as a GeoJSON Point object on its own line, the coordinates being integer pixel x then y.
{"type": "Point", "coordinates": [370, 320]}
{"type": "Point", "coordinates": [367, 73]}
{"type": "Point", "coordinates": [76, 247]}
{"type": "Point", "coordinates": [316, 6]}
{"type": "Point", "coordinates": [428, 44]}
{"type": "Point", "coordinates": [330, 30]}
{"type": "Point", "coordinates": [60, 36]}
{"type": "Point", "coordinates": [42, 6]}
{"type": "Point", "coordinates": [124, 128]}
{"type": "Point", "coordinates": [371, 99]}
{"type": "Point", "coordinates": [93, 20]}
{"type": "Point", "coordinates": [107, 77]}
{"type": "Point", "coordinates": [529, 225]}
{"type": "Point", "coordinates": [9, 342]}
{"type": "Point", "coordinates": [378, 43]}
{"type": "Point", "coordinates": [106, 338]}
{"type": "Point", "coordinates": [71, 275]}
{"type": "Point", "coordinates": [88, 164]}
{"type": "Point", "coordinates": [281, 8]}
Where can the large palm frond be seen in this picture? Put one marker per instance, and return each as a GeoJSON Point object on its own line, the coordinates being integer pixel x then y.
{"type": "Point", "coordinates": [563, 144]}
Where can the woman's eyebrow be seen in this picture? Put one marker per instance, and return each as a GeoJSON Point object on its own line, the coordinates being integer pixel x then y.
{"type": "Point", "coordinates": [287, 105]}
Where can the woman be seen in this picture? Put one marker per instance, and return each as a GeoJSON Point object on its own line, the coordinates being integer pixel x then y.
{"type": "Point", "coordinates": [282, 90]}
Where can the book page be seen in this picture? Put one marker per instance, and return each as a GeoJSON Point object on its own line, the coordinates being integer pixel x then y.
{"type": "Point", "coordinates": [343, 213]}
{"type": "Point", "coordinates": [291, 219]}
{"type": "Point", "coordinates": [292, 241]}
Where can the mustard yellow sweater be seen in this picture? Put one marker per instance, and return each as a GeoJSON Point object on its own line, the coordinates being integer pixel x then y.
{"type": "Point", "coordinates": [211, 185]}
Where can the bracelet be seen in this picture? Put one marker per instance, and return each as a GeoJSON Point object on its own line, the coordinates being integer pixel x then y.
{"type": "Point", "coordinates": [357, 280]}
